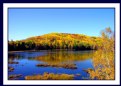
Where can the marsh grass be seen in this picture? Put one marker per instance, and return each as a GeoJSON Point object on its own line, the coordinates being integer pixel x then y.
{"type": "Point", "coordinates": [15, 76]}
{"type": "Point", "coordinates": [50, 76]}
{"type": "Point", "coordinates": [67, 66]}
{"type": "Point", "coordinates": [10, 69]}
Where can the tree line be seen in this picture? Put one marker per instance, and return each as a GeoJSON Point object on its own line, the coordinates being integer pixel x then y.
{"type": "Point", "coordinates": [56, 41]}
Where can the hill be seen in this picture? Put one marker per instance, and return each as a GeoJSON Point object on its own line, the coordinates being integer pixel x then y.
{"type": "Point", "coordinates": [57, 41]}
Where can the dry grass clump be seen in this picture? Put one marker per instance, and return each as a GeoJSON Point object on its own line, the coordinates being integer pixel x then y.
{"type": "Point", "coordinates": [50, 76]}
{"type": "Point", "coordinates": [10, 69]}
{"type": "Point", "coordinates": [67, 66]}
{"type": "Point", "coordinates": [14, 76]}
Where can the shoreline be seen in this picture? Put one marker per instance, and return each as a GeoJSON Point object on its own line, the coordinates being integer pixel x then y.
{"type": "Point", "coordinates": [48, 50]}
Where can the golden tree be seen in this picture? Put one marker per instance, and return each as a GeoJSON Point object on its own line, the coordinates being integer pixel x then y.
{"type": "Point", "coordinates": [103, 58]}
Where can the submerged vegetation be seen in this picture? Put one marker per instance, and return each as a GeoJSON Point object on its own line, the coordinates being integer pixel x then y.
{"type": "Point", "coordinates": [10, 69]}
{"type": "Point", "coordinates": [67, 66]}
{"type": "Point", "coordinates": [16, 76]}
{"type": "Point", "coordinates": [12, 62]}
{"type": "Point", "coordinates": [56, 41]}
{"type": "Point", "coordinates": [50, 76]}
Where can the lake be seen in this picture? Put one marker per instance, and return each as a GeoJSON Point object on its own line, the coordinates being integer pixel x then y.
{"type": "Point", "coordinates": [28, 60]}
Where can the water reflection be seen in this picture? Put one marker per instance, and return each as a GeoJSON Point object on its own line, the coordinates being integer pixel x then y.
{"type": "Point", "coordinates": [64, 56]}
{"type": "Point", "coordinates": [53, 56]}
{"type": "Point", "coordinates": [27, 62]}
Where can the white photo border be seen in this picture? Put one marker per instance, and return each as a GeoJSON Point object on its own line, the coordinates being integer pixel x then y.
{"type": "Point", "coordinates": [116, 6]}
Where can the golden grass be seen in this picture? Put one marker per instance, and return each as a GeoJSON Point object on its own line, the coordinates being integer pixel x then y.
{"type": "Point", "coordinates": [50, 76]}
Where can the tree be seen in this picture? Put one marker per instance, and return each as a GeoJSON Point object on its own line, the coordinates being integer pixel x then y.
{"type": "Point", "coordinates": [103, 59]}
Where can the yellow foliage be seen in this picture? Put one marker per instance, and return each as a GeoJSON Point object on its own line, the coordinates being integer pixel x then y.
{"type": "Point", "coordinates": [50, 76]}
{"type": "Point", "coordinates": [103, 59]}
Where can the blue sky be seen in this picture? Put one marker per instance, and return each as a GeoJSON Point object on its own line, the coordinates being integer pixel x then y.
{"type": "Point", "coordinates": [24, 23]}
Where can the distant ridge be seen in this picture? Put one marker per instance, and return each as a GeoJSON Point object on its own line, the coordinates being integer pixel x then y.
{"type": "Point", "coordinates": [57, 41]}
{"type": "Point", "coordinates": [58, 36]}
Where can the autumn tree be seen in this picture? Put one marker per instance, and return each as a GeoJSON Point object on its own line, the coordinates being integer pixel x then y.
{"type": "Point", "coordinates": [103, 59]}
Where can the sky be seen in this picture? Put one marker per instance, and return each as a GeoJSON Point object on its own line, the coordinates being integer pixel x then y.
{"type": "Point", "coordinates": [25, 23]}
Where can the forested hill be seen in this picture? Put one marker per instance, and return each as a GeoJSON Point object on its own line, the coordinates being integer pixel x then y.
{"type": "Point", "coordinates": [57, 41]}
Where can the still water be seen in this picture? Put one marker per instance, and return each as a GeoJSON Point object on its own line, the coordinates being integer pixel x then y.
{"type": "Point", "coordinates": [27, 61]}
